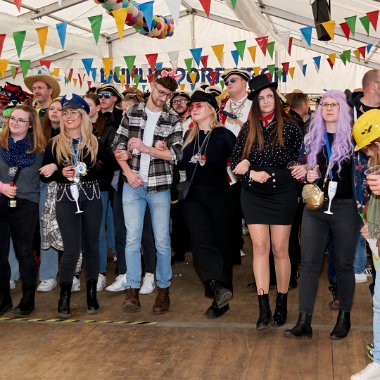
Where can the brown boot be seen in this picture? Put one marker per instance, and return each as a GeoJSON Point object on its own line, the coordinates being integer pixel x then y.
{"type": "Point", "coordinates": [131, 302]}
{"type": "Point", "coordinates": [162, 301]}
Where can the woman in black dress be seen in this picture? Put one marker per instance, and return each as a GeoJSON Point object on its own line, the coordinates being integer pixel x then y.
{"type": "Point", "coordinates": [264, 147]}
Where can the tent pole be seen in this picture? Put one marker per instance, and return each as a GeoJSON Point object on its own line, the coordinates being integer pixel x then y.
{"type": "Point", "coordinates": [192, 26]}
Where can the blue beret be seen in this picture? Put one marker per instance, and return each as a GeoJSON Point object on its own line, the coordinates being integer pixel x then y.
{"type": "Point", "coordinates": [75, 101]}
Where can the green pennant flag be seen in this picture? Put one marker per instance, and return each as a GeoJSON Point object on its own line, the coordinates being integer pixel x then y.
{"type": "Point", "coordinates": [351, 22]}
{"type": "Point", "coordinates": [136, 80]}
{"type": "Point", "coordinates": [14, 71]}
{"type": "Point", "coordinates": [116, 71]}
{"type": "Point", "coordinates": [233, 3]}
{"type": "Point", "coordinates": [188, 63]}
{"type": "Point", "coordinates": [96, 24]}
{"type": "Point", "coordinates": [270, 48]}
{"type": "Point", "coordinates": [279, 74]}
{"type": "Point", "coordinates": [19, 38]}
{"type": "Point", "coordinates": [365, 22]}
{"type": "Point", "coordinates": [221, 82]}
{"type": "Point", "coordinates": [345, 56]}
{"type": "Point", "coordinates": [25, 63]}
{"type": "Point", "coordinates": [240, 47]}
{"type": "Point", "coordinates": [67, 80]}
{"type": "Point", "coordinates": [271, 68]}
{"type": "Point", "coordinates": [130, 61]}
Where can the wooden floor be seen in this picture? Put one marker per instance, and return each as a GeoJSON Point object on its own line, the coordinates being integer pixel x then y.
{"type": "Point", "coordinates": [182, 344]}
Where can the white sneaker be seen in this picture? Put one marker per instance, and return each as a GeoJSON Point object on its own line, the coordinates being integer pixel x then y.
{"type": "Point", "coordinates": [360, 278]}
{"type": "Point", "coordinates": [101, 282]}
{"type": "Point", "coordinates": [47, 285]}
{"type": "Point", "coordinates": [76, 285]}
{"type": "Point", "coordinates": [371, 372]}
{"type": "Point", "coordinates": [12, 284]}
{"type": "Point", "coordinates": [119, 285]}
{"type": "Point", "coordinates": [148, 284]}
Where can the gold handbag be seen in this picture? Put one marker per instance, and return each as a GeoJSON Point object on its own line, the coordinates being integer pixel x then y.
{"type": "Point", "coordinates": [313, 196]}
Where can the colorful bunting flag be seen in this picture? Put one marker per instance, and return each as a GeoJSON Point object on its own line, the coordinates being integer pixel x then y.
{"type": "Point", "coordinates": [61, 29]}
{"type": "Point", "coordinates": [130, 61]}
{"type": "Point", "coordinates": [107, 63]}
{"type": "Point", "coordinates": [55, 72]}
{"type": "Point", "coordinates": [193, 77]}
{"type": "Point", "coordinates": [173, 56]}
{"type": "Point", "coordinates": [19, 38]}
{"type": "Point", "coordinates": [235, 56]}
{"type": "Point", "coordinates": [271, 69]}
{"type": "Point", "coordinates": [357, 54]}
{"type": "Point", "coordinates": [252, 52]}
{"type": "Point", "coordinates": [96, 24]}
{"type": "Point", "coordinates": [188, 64]}
{"type": "Point", "coordinates": [152, 59]}
{"type": "Point", "coordinates": [329, 27]}
{"type": "Point", "coordinates": [291, 71]}
{"type": "Point", "coordinates": [330, 63]}
{"type": "Point", "coordinates": [351, 22]}
{"type": "Point", "coordinates": [213, 75]}
{"type": "Point", "coordinates": [304, 68]}
{"type": "Point", "coordinates": [346, 29]}
{"type": "Point", "coordinates": [14, 71]}
{"type": "Point", "coordinates": [45, 63]}
{"type": "Point", "coordinates": [369, 47]}
{"type": "Point", "coordinates": [174, 8]}
{"type": "Point", "coordinates": [270, 48]}
{"type": "Point", "coordinates": [120, 16]}
{"type": "Point", "coordinates": [147, 10]}
{"type": "Point", "coordinates": [290, 45]}
{"type": "Point", "coordinates": [317, 62]}
{"type": "Point", "coordinates": [362, 50]}
{"type": "Point", "coordinates": [285, 66]}
{"type": "Point", "coordinates": [332, 57]}
{"type": "Point", "coordinates": [206, 4]}
{"type": "Point", "coordinates": [373, 17]}
{"type": "Point", "coordinates": [18, 4]}
{"type": "Point", "coordinates": [42, 37]}
{"type": "Point", "coordinates": [240, 47]}
{"type": "Point", "coordinates": [256, 70]}
{"type": "Point", "coordinates": [233, 3]}
{"type": "Point", "coordinates": [3, 67]}
{"type": "Point", "coordinates": [122, 78]}
{"type": "Point", "coordinates": [204, 61]}
{"type": "Point", "coordinates": [365, 22]}
{"type": "Point", "coordinates": [87, 63]}
{"type": "Point", "coordinates": [136, 80]}
{"type": "Point", "coordinates": [263, 43]}
{"type": "Point", "coordinates": [2, 39]}
{"type": "Point", "coordinates": [196, 53]}
{"type": "Point", "coordinates": [306, 33]}
{"type": "Point", "coordinates": [218, 51]}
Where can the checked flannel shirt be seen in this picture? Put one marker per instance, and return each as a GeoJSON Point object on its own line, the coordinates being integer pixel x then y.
{"type": "Point", "coordinates": [168, 129]}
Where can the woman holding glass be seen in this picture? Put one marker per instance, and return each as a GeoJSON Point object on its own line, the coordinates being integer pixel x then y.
{"type": "Point", "coordinates": [264, 147]}
{"type": "Point", "coordinates": [329, 151]}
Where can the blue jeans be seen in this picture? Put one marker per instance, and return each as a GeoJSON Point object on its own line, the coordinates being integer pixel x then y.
{"type": "Point", "coordinates": [134, 206]}
{"type": "Point", "coordinates": [360, 255]}
{"type": "Point", "coordinates": [49, 257]}
{"type": "Point", "coordinates": [13, 262]}
{"type": "Point", "coordinates": [103, 244]}
{"type": "Point", "coordinates": [110, 228]}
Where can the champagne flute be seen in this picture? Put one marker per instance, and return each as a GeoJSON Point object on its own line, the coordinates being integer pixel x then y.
{"type": "Point", "coordinates": [75, 194]}
{"type": "Point", "coordinates": [331, 193]}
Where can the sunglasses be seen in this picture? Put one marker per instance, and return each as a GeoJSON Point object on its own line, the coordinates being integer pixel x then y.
{"type": "Point", "coordinates": [232, 80]}
{"type": "Point", "coordinates": [194, 106]}
{"type": "Point", "coordinates": [106, 95]}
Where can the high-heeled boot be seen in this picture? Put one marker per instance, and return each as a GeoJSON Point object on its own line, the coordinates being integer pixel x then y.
{"type": "Point", "coordinates": [64, 300]}
{"type": "Point", "coordinates": [342, 326]}
{"type": "Point", "coordinates": [26, 305]}
{"type": "Point", "coordinates": [302, 329]}
{"type": "Point", "coordinates": [92, 303]}
{"type": "Point", "coordinates": [281, 311]}
{"type": "Point", "coordinates": [265, 316]}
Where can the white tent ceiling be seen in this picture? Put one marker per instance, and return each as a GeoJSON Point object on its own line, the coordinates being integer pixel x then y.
{"type": "Point", "coordinates": [194, 29]}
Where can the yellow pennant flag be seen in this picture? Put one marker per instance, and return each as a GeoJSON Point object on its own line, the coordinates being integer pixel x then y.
{"type": "Point", "coordinates": [55, 72]}
{"type": "Point", "coordinates": [357, 54]}
{"type": "Point", "coordinates": [252, 52]}
{"type": "Point", "coordinates": [75, 80]}
{"type": "Point", "coordinates": [291, 71]}
{"type": "Point", "coordinates": [218, 51]}
{"type": "Point", "coordinates": [3, 67]}
{"type": "Point", "coordinates": [256, 70]}
{"type": "Point", "coordinates": [193, 77]}
{"type": "Point", "coordinates": [332, 57]}
{"type": "Point", "coordinates": [329, 27]}
{"type": "Point", "coordinates": [120, 16]}
{"type": "Point", "coordinates": [42, 37]}
{"type": "Point", "coordinates": [107, 63]}
{"type": "Point", "coordinates": [182, 86]}
{"type": "Point", "coordinates": [122, 79]}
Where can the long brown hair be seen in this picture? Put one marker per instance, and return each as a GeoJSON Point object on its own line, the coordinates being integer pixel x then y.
{"type": "Point", "coordinates": [255, 133]}
{"type": "Point", "coordinates": [46, 123]}
{"type": "Point", "coordinates": [39, 142]}
{"type": "Point", "coordinates": [100, 123]}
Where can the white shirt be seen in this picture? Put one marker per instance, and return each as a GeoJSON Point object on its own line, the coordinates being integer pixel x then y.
{"type": "Point", "coordinates": [243, 116]}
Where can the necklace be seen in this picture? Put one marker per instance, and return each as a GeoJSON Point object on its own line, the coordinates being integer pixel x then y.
{"type": "Point", "coordinates": [80, 168]}
{"type": "Point", "coordinates": [199, 156]}
{"type": "Point", "coordinates": [235, 108]}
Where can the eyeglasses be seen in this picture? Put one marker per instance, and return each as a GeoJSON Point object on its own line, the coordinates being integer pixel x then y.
{"type": "Point", "coordinates": [194, 106]}
{"type": "Point", "coordinates": [330, 105]}
{"type": "Point", "coordinates": [232, 80]}
{"type": "Point", "coordinates": [164, 94]}
{"type": "Point", "coordinates": [12, 119]}
{"type": "Point", "coordinates": [106, 95]}
{"type": "Point", "coordinates": [180, 101]}
{"type": "Point", "coordinates": [268, 97]}
{"type": "Point", "coordinates": [66, 113]}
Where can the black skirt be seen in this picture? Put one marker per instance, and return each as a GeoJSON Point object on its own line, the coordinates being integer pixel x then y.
{"type": "Point", "coordinates": [272, 202]}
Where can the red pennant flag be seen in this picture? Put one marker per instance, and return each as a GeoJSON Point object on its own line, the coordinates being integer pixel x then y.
{"type": "Point", "coordinates": [132, 73]}
{"type": "Point", "coordinates": [18, 4]}
{"type": "Point", "coordinates": [71, 72]}
{"type": "Point", "coordinates": [206, 4]}
{"type": "Point", "coordinates": [89, 83]}
{"type": "Point", "coordinates": [81, 78]}
{"type": "Point", "coordinates": [290, 45]}
{"type": "Point", "coordinates": [285, 66]}
{"type": "Point", "coordinates": [45, 62]}
{"type": "Point", "coordinates": [16, 72]}
{"type": "Point", "coordinates": [150, 77]}
{"type": "Point", "coordinates": [2, 38]}
{"type": "Point", "coordinates": [269, 75]}
{"type": "Point", "coordinates": [204, 60]}
{"type": "Point", "coordinates": [330, 62]}
{"type": "Point", "coordinates": [213, 75]}
{"type": "Point", "coordinates": [152, 59]}
{"type": "Point", "coordinates": [362, 50]}
{"type": "Point", "coordinates": [346, 29]}
{"type": "Point", "coordinates": [373, 17]}
{"type": "Point", "coordinates": [263, 43]}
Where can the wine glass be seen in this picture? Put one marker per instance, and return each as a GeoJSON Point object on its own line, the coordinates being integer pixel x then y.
{"type": "Point", "coordinates": [372, 170]}
{"type": "Point", "coordinates": [75, 193]}
{"type": "Point", "coordinates": [331, 193]}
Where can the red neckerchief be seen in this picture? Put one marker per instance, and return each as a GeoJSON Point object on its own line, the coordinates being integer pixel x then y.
{"type": "Point", "coordinates": [266, 119]}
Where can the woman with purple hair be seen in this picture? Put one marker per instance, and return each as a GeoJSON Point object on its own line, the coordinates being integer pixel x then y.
{"type": "Point", "coordinates": [329, 148]}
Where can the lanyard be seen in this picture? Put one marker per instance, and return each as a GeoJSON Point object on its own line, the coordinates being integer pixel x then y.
{"type": "Point", "coordinates": [76, 150]}
{"type": "Point", "coordinates": [328, 152]}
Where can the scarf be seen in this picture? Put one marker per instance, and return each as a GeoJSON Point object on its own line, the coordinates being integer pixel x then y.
{"type": "Point", "coordinates": [16, 155]}
{"type": "Point", "coordinates": [266, 119]}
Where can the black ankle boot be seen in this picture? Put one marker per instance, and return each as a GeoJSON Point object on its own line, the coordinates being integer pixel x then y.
{"type": "Point", "coordinates": [64, 300]}
{"type": "Point", "coordinates": [92, 303]}
{"type": "Point", "coordinates": [5, 301]}
{"type": "Point", "coordinates": [221, 297]}
{"type": "Point", "coordinates": [265, 316]}
{"type": "Point", "coordinates": [26, 305]}
{"type": "Point", "coordinates": [281, 311]}
{"type": "Point", "coordinates": [342, 326]}
{"type": "Point", "coordinates": [302, 329]}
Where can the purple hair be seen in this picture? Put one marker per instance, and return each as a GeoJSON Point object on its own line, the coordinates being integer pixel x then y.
{"type": "Point", "coordinates": [342, 147]}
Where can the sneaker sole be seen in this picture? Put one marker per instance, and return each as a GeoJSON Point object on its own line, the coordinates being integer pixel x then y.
{"type": "Point", "coordinates": [45, 290]}
{"type": "Point", "coordinates": [224, 299]}
{"type": "Point", "coordinates": [116, 290]}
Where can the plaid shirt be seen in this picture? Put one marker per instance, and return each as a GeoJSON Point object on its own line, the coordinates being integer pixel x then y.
{"type": "Point", "coordinates": [168, 129]}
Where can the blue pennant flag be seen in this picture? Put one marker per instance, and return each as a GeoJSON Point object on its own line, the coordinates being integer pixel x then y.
{"type": "Point", "coordinates": [196, 53]}
{"type": "Point", "coordinates": [147, 10]}
{"type": "Point", "coordinates": [61, 29]}
{"type": "Point", "coordinates": [235, 56]}
{"type": "Point", "coordinates": [306, 33]}
{"type": "Point", "coordinates": [87, 63]}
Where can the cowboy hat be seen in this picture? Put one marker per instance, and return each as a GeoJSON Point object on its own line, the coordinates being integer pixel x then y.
{"type": "Point", "coordinates": [48, 79]}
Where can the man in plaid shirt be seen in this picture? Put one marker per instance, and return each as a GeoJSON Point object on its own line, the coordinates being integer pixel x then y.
{"type": "Point", "coordinates": [147, 144]}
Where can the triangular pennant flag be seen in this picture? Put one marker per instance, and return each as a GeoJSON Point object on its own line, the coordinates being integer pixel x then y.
{"type": "Point", "coordinates": [270, 48]}
{"type": "Point", "coordinates": [71, 72]}
{"type": "Point", "coordinates": [2, 39]}
{"type": "Point", "coordinates": [204, 60]}
{"type": "Point", "coordinates": [213, 75]}
{"type": "Point", "coordinates": [147, 11]}
{"type": "Point", "coordinates": [291, 71]}
{"type": "Point", "coordinates": [345, 56]}
{"type": "Point", "coordinates": [263, 43]}
{"type": "Point", "coordinates": [89, 83]}
{"type": "Point", "coordinates": [120, 16]}
{"type": "Point", "coordinates": [137, 81]}
{"type": "Point", "coordinates": [81, 80]}
{"type": "Point", "coordinates": [221, 82]}
{"type": "Point", "coordinates": [94, 73]}
{"type": "Point", "coordinates": [116, 71]}
{"type": "Point", "coordinates": [192, 87]}
{"type": "Point", "coordinates": [75, 81]}
{"type": "Point", "coordinates": [107, 63]}
{"type": "Point", "coordinates": [152, 59]}
{"type": "Point", "coordinates": [42, 37]}
{"type": "Point", "coordinates": [87, 63]}
{"type": "Point", "coordinates": [150, 77]}
{"type": "Point", "coordinates": [96, 24]}
{"type": "Point", "coordinates": [240, 47]}
{"type": "Point", "coordinates": [351, 22]}
{"type": "Point", "coordinates": [188, 63]}
{"type": "Point", "coordinates": [130, 61]}
{"type": "Point", "coordinates": [332, 57]}
{"type": "Point", "coordinates": [3, 67]}
{"type": "Point", "coordinates": [182, 87]}
{"type": "Point", "coordinates": [271, 69]}
{"type": "Point", "coordinates": [122, 78]}
{"type": "Point", "coordinates": [329, 27]}
{"type": "Point", "coordinates": [133, 72]}
{"type": "Point", "coordinates": [55, 72]}
{"type": "Point", "coordinates": [290, 45]}
{"type": "Point", "coordinates": [300, 63]}
{"type": "Point", "coordinates": [18, 4]}
{"type": "Point", "coordinates": [174, 8]}
{"type": "Point", "coordinates": [159, 65]}
{"type": "Point", "coordinates": [369, 47]}
{"type": "Point", "coordinates": [346, 30]}
{"type": "Point", "coordinates": [218, 51]}
{"type": "Point", "coordinates": [46, 63]}
{"type": "Point", "coordinates": [306, 33]}
{"type": "Point", "coordinates": [285, 66]}
{"type": "Point", "coordinates": [173, 55]}
{"type": "Point", "coordinates": [61, 29]}
{"type": "Point", "coordinates": [279, 74]}
{"type": "Point", "coordinates": [252, 52]}
{"type": "Point", "coordinates": [14, 71]}
{"type": "Point", "coordinates": [206, 4]}
{"type": "Point", "coordinates": [19, 38]}
{"type": "Point", "coordinates": [235, 56]}
{"type": "Point", "coordinates": [193, 77]}
{"type": "Point", "coordinates": [304, 68]}
{"type": "Point", "coordinates": [362, 50]}
{"type": "Point", "coordinates": [373, 17]}
{"type": "Point", "coordinates": [365, 22]}
{"type": "Point", "coordinates": [25, 63]}
{"type": "Point", "coordinates": [330, 63]}
{"type": "Point", "coordinates": [357, 54]}
{"type": "Point", "coordinates": [196, 53]}
{"type": "Point", "coordinates": [256, 70]}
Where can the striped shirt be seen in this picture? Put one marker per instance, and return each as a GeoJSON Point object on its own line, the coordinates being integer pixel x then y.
{"type": "Point", "coordinates": [168, 129]}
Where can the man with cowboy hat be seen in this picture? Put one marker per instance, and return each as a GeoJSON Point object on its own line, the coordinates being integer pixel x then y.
{"type": "Point", "coordinates": [109, 96]}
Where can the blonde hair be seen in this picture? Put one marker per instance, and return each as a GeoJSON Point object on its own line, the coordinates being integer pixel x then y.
{"type": "Point", "coordinates": [38, 139]}
{"type": "Point", "coordinates": [214, 123]}
{"type": "Point", "coordinates": [62, 143]}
